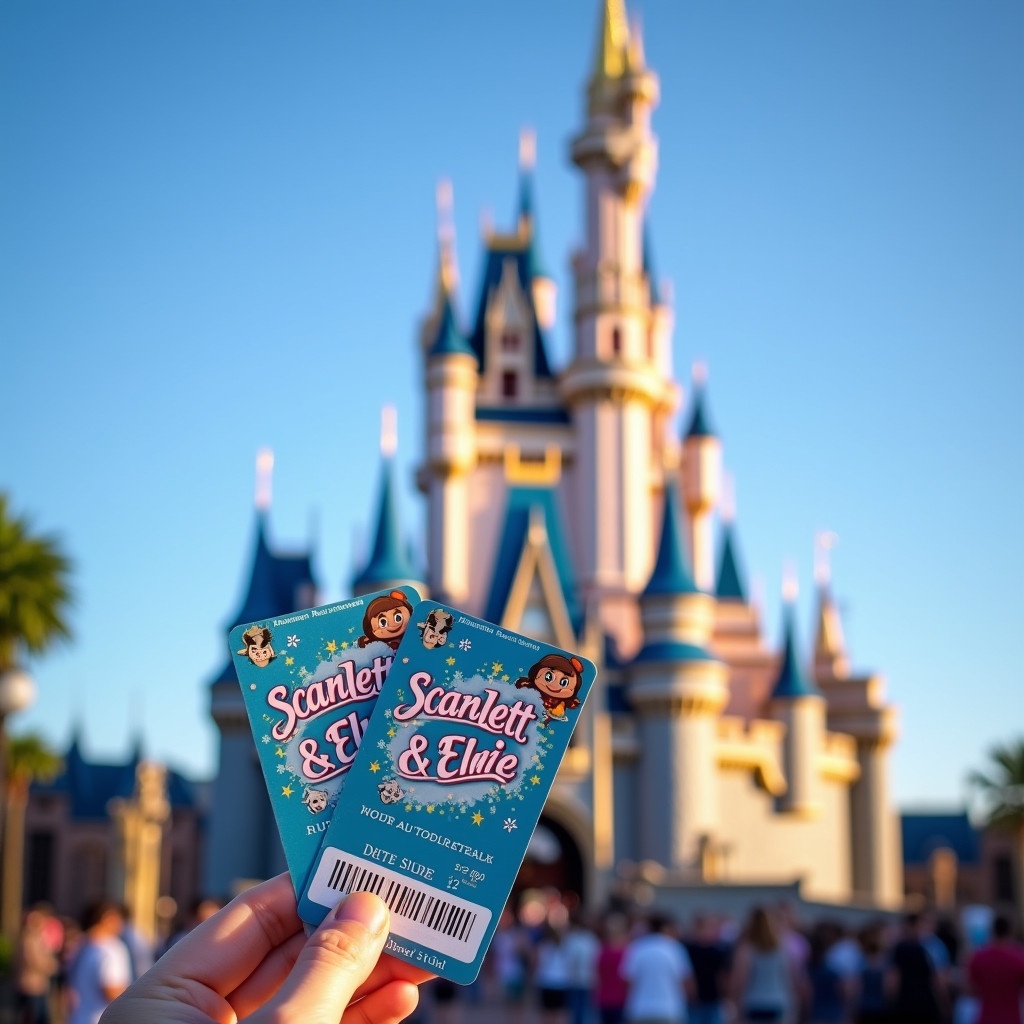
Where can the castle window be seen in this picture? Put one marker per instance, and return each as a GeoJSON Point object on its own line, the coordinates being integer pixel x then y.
{"type": "Point", "coordinates": [616, 341]}
{"type": "Point", "coordinates": [510, 341]}
{"type": "Point", "coordinates": [509, 384]}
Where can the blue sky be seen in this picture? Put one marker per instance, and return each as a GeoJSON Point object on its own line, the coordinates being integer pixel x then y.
{"type": "Point", "coordinates": [216, 234]}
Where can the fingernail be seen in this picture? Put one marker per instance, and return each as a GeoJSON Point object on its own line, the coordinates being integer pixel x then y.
{"type": "Point", "coordinates": [369, 910]}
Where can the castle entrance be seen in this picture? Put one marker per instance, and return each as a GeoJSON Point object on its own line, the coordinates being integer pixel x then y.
{"type": "Point", "coordinates": [553, 862]}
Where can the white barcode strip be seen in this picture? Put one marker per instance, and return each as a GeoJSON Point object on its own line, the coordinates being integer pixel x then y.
{"type": "Point", "coordinates": [422, 913]}
{"type": "Point", "coordinates": [406, 900]}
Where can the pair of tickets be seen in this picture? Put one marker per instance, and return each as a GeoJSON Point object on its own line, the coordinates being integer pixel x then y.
{"type": "Point", "coordinates": [408, 749]}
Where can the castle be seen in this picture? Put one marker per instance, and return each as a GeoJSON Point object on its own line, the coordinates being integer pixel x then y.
{"type": "Point", "coordinates": [561, 504]}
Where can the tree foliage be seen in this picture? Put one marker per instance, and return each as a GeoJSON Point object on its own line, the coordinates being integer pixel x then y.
{"type": "Point", "coordinates": [35, 592]}
{"type": "Point", "coordinates": [29, 759]}
{"type": "Point", "coordinates": [1001, 786]}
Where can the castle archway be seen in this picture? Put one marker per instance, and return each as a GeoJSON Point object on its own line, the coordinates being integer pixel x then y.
{"type": "Point", "coordinates": [553, 860]}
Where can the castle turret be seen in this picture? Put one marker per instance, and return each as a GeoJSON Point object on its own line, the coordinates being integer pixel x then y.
{"type": "Point", "coordinates": [614, 387]}
{"type": "Point", "coordinates": [798, 704]}
{"type": "Point", "coordinates": [701, 475]}
{"type": "Point", "coordinates": [678, 689]}
{"type": "Point", "coordinates": [388, 565]}
{"type": "Point", "coordinates": [452, 375]}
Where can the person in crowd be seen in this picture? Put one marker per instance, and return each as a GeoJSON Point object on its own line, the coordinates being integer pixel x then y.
{"type": "Point", "coordinates": [141, 950]}
{"type": "Point", "coordinates": [581, 950]}
{"type": "Point", "coordinates": [828, 985]}
{"type": "Point", "coordinates": [551, 975]}
{"type": "Point", "coordinates": [612, 990]}
{"type": "Point", "coordinates": [995, 975]}
{"type": "Point", "coordinates": [35, 964]}
{"type": "Point", "coordinates": [252, 961]}
{"type": "Point", "coordinates": [914, 984]}
{"type": "Point", "coordinates": [868, 995]}
{"type": "Point", "coordinates": [659, 975]}
{"type": "Point", "coordinates": [710, 959]}
{"type": "Point", "coordinates": [72, 941]}
{"type": "Point", "coordinates": [764, 976]}
{"type": "Point", "coordinates": [509, 953]}
{"type": "Point", "coordinates": [101, 969]}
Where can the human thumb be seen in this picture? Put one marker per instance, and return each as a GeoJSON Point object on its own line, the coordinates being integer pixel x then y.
{"type": "Point", "coordinates": [337, 958]}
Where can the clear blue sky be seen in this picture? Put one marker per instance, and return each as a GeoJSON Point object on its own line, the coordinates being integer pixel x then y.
{"type": "Point", "coordinates": [216, 233]}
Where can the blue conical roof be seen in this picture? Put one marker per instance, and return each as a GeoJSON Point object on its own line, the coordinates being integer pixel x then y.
{"type": "Point", "coordinates": [791, 681]}
{"type": "Point", "coordinates": [729, 585]}
{"type": "Point", "coordinates": [449, 339]}
{"type": "Point", "coordinates": [388, 560]}
{"type": "Point", "coordinates": [700, 423]}
{"type": "Point", "coordinates": [259, 600]}
{"type": "Point", "coordinates": [275, 579]}
{"type": "Point", "coordinates": [671, 575]}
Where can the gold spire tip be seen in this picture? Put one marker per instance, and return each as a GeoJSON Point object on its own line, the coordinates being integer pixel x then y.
{"type": "Point", "coordinates": [613, 42]}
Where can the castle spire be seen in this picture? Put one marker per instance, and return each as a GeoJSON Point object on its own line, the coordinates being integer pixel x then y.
{"type": "Point", "coordinates": [791, 681]}
{"type": "Point", "coordinates": [388, 563]}
{"type": "Point", "coordinates": [447, 267]}
{"type": "Point", "coordinates": [701, 476]}
{"type": "Point", "coordinates": [527, 161]}
{"type": "Point", "coordinates": [612, 41]}
{"type": "Point", "coordinates": [830, 659]}
{"type": "Point", "coordinates": [636, 60]}
{"type": "Point", "coordinates": [670, 575]}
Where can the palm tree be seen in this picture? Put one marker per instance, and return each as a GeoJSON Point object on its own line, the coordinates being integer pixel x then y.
{"type": "Point", "coordinates": [34, 599]}
{"type": "Point", "coordinates": [28, 759]}
{"type": "Point", "coordinates": [1001, 787]}
{"type": "Point", "coordinates": [34, 591]}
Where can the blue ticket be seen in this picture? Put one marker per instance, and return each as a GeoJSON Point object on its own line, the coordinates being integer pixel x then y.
{"type": "Point", "coordinates": [449, 784]}
{"type": "Point", "coordinates": [310, 680]}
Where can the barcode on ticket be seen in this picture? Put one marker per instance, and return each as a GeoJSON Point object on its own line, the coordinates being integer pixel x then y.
{"type": "Point", "coordinates": [419, 912]}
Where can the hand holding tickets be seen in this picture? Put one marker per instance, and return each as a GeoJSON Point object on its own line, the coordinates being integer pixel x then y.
{"type": "Point", "coordinates": [252, 960]}
{"type": "Point", "coordinates": [453, 767]}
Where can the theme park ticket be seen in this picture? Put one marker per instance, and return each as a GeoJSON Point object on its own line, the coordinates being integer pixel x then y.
{"type": "Point", "coordinates": [310, 681]}
{"type": "Point", "coordinates": [449, 784]}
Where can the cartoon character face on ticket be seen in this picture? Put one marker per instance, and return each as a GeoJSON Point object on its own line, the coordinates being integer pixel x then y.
{"type": "Point", "coordinates": [258, 647]}
{"type": "Point", "coordinates": [387, 618]}
{"type": "Point", "coordinates": [557, 679]}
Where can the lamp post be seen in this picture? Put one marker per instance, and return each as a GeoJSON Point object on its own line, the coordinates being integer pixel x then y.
{"type": "Point", "coordinates": [17, 692]}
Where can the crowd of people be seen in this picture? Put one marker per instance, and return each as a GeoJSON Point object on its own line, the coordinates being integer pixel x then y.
{"type": "Point", "coordinates": [646, 969]}
{"type": "Point", "coordinates": [624, 969]}
{"type": "Point", "coordinates": [68, 971]}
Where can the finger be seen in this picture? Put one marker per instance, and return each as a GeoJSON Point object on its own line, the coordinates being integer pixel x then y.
{"type": "Point", "coordinates": [264, 982]}
{"type": "Point", "coordinates": [390, 969]}
{"type": "Point", "coordinates": [336, 960]}
{"type": "Point", "coordinates": [224, 950]}
{"type": "Point", "coordinates": [388, 1005]}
